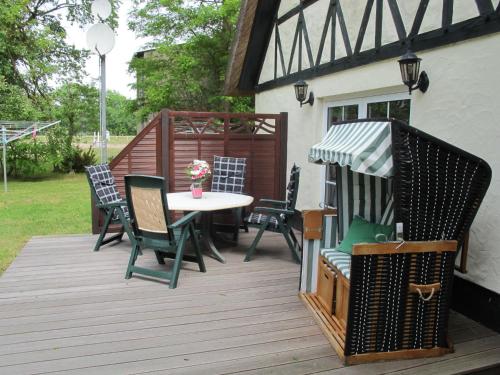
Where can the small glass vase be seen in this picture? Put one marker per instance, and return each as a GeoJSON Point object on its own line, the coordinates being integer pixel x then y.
{"type": "Point", "coordinates": [196, 190]}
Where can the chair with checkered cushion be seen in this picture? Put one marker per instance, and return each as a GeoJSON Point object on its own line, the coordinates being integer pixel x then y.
{"type": "Point", "coordinates": [273, 215]}
{"type": "Point", "coordinates": [109, 202]}
{"type": "Point", "coordinates": [228, 176]}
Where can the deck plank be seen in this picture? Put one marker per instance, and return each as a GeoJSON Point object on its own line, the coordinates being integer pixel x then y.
{"type": "Point", "coordinates": [67, 310]}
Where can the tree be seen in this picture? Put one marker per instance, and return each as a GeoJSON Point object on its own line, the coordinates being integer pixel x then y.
{"type": "Point", "coordinates": [33, 49]}
{"type": "Point", "coordinates": [191, 41]}
{"type": "Point", "coordinates": [15, 104]}
{"type": "Point", "coordinates": [120, 116]}
{"type": "Point", "coordinates": [77, 107]}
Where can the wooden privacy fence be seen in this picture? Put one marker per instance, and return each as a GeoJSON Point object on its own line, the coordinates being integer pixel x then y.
{"type": "Point", "coordinates": [175, 138]}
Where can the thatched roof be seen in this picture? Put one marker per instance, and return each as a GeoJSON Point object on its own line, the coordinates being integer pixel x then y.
{"type": "Point", "coordinates": [249, 46]}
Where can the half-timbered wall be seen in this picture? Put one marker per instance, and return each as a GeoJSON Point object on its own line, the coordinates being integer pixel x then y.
{"type": "Point", "coordinates": [316, 37]}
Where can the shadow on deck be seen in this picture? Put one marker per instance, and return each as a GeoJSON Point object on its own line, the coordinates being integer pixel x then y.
{"type": "Point", "coordinates": [65, 309]}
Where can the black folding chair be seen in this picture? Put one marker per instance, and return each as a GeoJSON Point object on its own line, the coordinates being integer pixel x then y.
{"type": "Point", "coordinates": [109, 202]}
{"type": "Point", "coordinates": [228, 176]}
{"type": "Point", "coordinates": [275, 216]}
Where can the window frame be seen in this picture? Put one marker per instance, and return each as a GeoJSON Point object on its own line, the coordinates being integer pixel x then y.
{"type": "Point", "coordinates": [362, 103]}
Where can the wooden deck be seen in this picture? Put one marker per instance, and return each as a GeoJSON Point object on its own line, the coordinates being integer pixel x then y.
{"type": "Point", "coordinates": [67, 310]}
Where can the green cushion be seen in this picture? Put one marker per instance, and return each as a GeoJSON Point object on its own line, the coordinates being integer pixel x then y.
{"type": "Point", "coordinates": [363, 231]}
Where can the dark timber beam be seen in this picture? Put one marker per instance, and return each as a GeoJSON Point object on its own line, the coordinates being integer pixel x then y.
{"type": "Point", "coordinates": [464, 30]}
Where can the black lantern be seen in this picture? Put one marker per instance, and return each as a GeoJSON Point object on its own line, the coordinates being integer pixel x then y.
{"type": "Point", "coordinates": [409, 64]}
{"type": "Point", "coordinates": [301, 93]}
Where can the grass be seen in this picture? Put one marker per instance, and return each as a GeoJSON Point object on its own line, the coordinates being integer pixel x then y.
{"type": "Point", "coordinates": [58, 205]}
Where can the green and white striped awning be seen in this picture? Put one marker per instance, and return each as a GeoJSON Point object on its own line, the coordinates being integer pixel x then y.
{"type": "Point", "coordinates": [364, 146]}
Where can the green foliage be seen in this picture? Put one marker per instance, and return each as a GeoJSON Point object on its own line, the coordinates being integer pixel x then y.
{"type": "Point", "coordinates": [29, 159]}
{"type": "Point", "coordinates": [33, 48]}
{"type": "Point", "coordinates": [15, 104]}
{"type": "Point", "coordinates": [77, 107]}
{"type": "Point", "coordinates": [77, 158]}
{"type": "Point", "coordinates": [120, 114]}
{"type": "Point", "coordinates": [191, 45]}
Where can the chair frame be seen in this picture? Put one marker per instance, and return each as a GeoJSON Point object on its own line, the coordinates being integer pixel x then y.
{"type": "Point", "coordinates": [165, 245]}
{"type": "Point", "coordinates": [108, 210]}
{"type": "Point", "coordinates": [238, 213]}
{"type": "Point", "coordinates": [282, 211]}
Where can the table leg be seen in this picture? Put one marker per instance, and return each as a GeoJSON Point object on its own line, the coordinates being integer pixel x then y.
{"type": "Point", "coordinates": [206, 236]}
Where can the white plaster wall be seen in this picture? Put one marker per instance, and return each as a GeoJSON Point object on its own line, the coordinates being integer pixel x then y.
{"type": "Point", "coordinates": [461, 107]}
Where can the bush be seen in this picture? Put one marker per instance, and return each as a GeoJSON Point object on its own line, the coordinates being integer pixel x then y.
{"type": "Point", "coordinates": [78, 158]}
{"type": "Point", "coordinates": [32, 159]}
{"type": "Point", "coordinates": [28, 159]}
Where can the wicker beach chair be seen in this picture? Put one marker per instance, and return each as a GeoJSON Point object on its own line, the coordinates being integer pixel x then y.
{"type": "Point", "coordinates": [390, 300]}
{"type": "Point", "coordinates": [148, 207]}
{"type": "Point", "coordinates": [274, 215]}
{"type": "Point", "coordinates": [229, 177]}
{"type": "Point", "coordinates": [109, 202]}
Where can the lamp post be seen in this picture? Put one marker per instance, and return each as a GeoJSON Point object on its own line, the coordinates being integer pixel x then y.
{"type": "Point", "coordinates": [101, 39]}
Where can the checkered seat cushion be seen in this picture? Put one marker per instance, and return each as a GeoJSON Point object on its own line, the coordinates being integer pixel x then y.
{"type": "Point", "coordinates": [229, 174]}
{"type": "Point", "coordinates": [340, 260]}
{"type": "Point", "coordinates": [104, 186]}
{"type": "Point", "coordinates": [258, 219]}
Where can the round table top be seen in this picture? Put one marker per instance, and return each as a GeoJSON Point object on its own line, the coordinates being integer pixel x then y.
{"type": "Point", "coordinates": [210, 201]}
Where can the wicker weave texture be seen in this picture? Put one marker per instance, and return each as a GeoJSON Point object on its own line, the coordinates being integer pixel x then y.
{"type": "Point", "coordinates": [440, 187]}
{"type": "Point", "coordinates": [148, 208]}
{"type": "Point", "coordinates": [384, 316]}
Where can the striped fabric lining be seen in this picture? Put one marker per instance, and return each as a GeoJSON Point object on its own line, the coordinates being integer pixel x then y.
{"type": "Point", "coordinates": [339, 260]}
{"type": "Point", "coordinates": [388, 215]}
{"type": "Point", "coordinates": [365, 146]}
{"type": "Point", "coordinates": [361, 195]}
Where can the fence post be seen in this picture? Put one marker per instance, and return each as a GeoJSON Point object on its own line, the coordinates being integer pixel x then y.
{"type": "Point", "coordinates": [283, 154]}
{"type": "Point", "coordinates": [165, 148]}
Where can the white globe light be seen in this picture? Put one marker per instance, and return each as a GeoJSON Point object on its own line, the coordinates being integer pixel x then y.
{"type": "Point", "coordinates": [100, 38]}
{"type": "Point", "coordinates": [101, 8]}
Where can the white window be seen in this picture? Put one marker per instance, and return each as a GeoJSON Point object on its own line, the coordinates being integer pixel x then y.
{"type": "Point", "coordinates": [384, 106]}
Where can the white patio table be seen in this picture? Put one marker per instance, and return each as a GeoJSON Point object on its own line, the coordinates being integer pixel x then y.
{"type": "Point", "coordinates": [210, 201]}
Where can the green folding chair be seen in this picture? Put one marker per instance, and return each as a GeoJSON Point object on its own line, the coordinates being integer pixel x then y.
{"type": "Point", "coordinates": [150, 220]}
{"type": "Point", "coordinates": [109, 202]}
{"type": "Point", "coordinates": [274, 215]}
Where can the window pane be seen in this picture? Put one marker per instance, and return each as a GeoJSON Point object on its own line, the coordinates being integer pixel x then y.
{"type": "Point", "coordinates": [334, 115]}
{"type": "Point", "coordinates": [351, 112]}
{"type": "Point", "coordinates": [377, 109]}
{"type": "Point", "coordinates": [400, 110]}
{"type": "Point", "coordinates": [330, 188]}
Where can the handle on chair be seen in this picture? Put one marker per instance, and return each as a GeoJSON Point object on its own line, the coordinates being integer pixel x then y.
{"type": "Point", "coordinates": [422, 289]}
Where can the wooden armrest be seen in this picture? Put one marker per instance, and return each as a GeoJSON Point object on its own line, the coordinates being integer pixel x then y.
{"type": "Point", "coordinates": [403, 247]}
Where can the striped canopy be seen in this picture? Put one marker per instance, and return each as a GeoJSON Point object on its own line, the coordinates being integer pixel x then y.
{"type": "Point", "coordinates": [364, 146]}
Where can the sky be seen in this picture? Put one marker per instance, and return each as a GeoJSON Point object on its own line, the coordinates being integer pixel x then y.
{"type": "Point", "coordinates": [126, 44]}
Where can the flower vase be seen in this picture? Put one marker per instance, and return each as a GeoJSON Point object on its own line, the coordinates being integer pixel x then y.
{"type": "Point", "coordinates": [196, 190]}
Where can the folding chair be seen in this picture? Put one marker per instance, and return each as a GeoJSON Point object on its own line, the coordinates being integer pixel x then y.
{"type": "Point", "coordinates": [109, 202]}
{"type": "Point", "coordinates": [148, 207]}
{"type": "Point", "coordinates": [229, 177]}
{"type": "Point", "coordinates": [273, 215]}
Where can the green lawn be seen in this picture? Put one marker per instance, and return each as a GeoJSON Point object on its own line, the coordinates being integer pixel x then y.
{"type": "Point", "coordinates": [59, 205]}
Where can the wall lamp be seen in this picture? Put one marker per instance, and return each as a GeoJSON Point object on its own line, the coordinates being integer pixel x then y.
{"type": "Point", "coordinates": [301, 93]}
{"type": "Point", "coordinates": [409, 64]}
